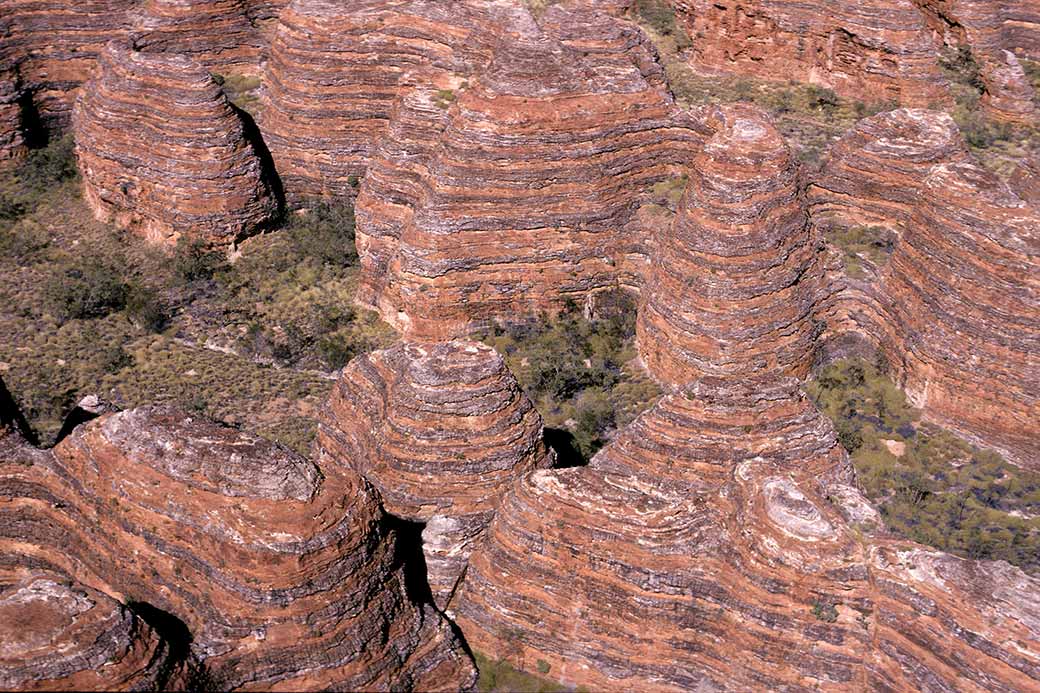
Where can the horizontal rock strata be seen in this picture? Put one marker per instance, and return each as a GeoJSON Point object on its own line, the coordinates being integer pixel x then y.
{"type": "Point", "coordinates": [215, 33]}
{"type": "Point", "coordinates": [336, 69]}
{"type": "Point", "coordinates": [736, 275]}
{"type": "Point", "coordinates": [285, 577]}
{"type": "Point", "coordinates": [748, 563]}
{"type": "Point", "coordinates": [57, 635]}
{"type": "Point", "coordinates": [441, 430]}
{"type": "Point", "coordinates": [162, 152]}
{"type": "Point", "coordinates": [963, 292]}
{"type": "Point", "coordinates": [12, 125]}
{"type": "Point", "coordinates": [526, 196]}
{"type": "Point", "coordinates": [875, 51]}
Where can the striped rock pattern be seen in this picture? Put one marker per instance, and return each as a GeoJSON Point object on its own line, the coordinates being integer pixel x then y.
{"type": "Point", "coordinates": [286, 577]}
{"type": "Point", "coordinates": [336, 69]}
{"type": "Point", "coordinates": [875, 51]}
{"type": "Point", "coordinates": [217, 34]}
{"type": "Point", "coordinates": [526, 195]}
{"type": "Point", "coordinates": [57, 635]}
{"type": "Point", "coordinates": [963, 293]}
{"type": "Point", "coordinates": [12, 125]}
{"type": "Point", "coordinates": [737, 274]}
{"type": "Point", "coordinates": [441, 430]}
{"type": "Point", "coordinates": [722, 529]}
{"type": "Point", "coordinates": [163, 154]}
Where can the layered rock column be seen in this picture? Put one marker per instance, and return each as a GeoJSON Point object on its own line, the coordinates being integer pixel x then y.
{"type": "Point", "coordinates": [963, 292]}
{"type": "Point", "coordinates": [442, 430]}
{"type": "Point", "coordinates": [163, 154]}
{"type": "Point", "coordinates": [284, 576]}
{"type": "Point", "coordinates": [876, 50]}
{"type": "Point", "coordinates": [58, 635]}
{"type": "Point", "coordinates": [12, 134]}
{"type": "Point", "coordinates": [736, 275]}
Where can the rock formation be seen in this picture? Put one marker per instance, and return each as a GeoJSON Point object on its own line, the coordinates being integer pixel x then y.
{"type": "Point", "coordinates": [58, 42]}
{"type": "Point", "coordinates": [875, 51]}
{"type": "Point", "coordinates": [58, 635]}
{"type": "Point", "coordinates": [441, 430]}
{"type": "Point", "coordinates": [12, 125]}
{"type": "Point", "coordinates": [526, 196]}
{"type": "Point", "coordinates": [285, 576]}
{"type": "Point", "coordinates": [336, 69]}
{"type": "Point", "coordinates": [963, 293]}
{"type": "Point", "coordinates": [163, 153]}
{"type": "Point", "coordinates": [217, 34]}
{"type": "Point", "coordinates": [717, 543]}
{"type": "Point", "coordinates": [736, 275]}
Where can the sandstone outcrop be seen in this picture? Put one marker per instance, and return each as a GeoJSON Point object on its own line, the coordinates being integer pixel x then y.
{"type": "Point", "coordinates": [57, 635]}
{"type": "Point", "coordinates": [875, 51]}
{"type": "Point", "coordinates": [336, 69]}
{"type": "Point", "coordinates": [285, 576]}
{"type": "Point", "coordinates": [441, 430]}
{"type": "Point", "coordinates": [217, 34]}
{"type": "Point", "coordinates": [963, 294]}
{"type": "Point", "coordinates": [526, 196]}
{"type": "Point", "coordinates": [58, 42]}
{"type": "Point", "coordinates": [718, 543]}
{"type": "Point", "coordinates": [12, 132]}
{"type": "Point", "coordinates": [737, 274]}
{"type": "Point", "coordinates": [163, 153]}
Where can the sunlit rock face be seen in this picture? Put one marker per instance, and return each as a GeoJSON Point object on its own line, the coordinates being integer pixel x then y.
{"type": "Point", "coordinates": [521, 195]}
{"type": "Point", "coordinates": [875, 51]}
{"type": "Point", "coordinates": [724, 533]}
{"type": "Point", "coordinates": [442, 430]}
{"type": "Point", "coordinates": [285, 576]}
{"type": "Point", "coordinates": [163, 153]}
{"type": "Point", "coordinates": [735, 276]}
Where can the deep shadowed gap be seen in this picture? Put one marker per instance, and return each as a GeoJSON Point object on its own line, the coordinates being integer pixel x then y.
{"type": "Point", "coordinates": [263, 153]}
{"type": "Point", "coordinates": [566, 447]}
{"type": "Point", "coordinates": [11, 415]}
{"type": "Point", "coordinates": [177, 636]}
{"type": "Point", "coordinates": [33, 130]}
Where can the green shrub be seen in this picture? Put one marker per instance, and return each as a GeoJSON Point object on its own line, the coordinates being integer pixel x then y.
{"type": "Point", "coordinates": [825, 611]}
{"type": "Point", "coordinates": [659, 15]}
{"type": "Point", "coordinates": [193, 261]}
{"type": "Point", "coordinates": [145, 308]}
{"type": "Point", "coordinates": [325, 232]}
{"type": "Point", "coordinates": [50, 166]}
{"type": "Point", "coordinates": [90, 289]}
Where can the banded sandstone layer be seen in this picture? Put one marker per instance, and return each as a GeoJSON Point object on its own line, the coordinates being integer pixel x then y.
{"type": "Point", "coordinates": [735, 277]}
{"type": "Point", "coordinates": [217, 34]}
{"type": "Point", "coordinates": [522, 195]}
{"type": "Point", "coordinates": [875, 51]}
{"type": "Point", "coordinates": [57, 635]}
{"type": "Point", "coordinates": [58, 43]}
{"type": "Point", "coordinates": [164, 154]}
{"type": "Point", "coordinates": [12, 121]}
{"type": "Point", "coordinates": [441, 430]}
{"type": "Point", "coordinates": [336, 69]}
{"type": "Point", "coordinates": [956, 309]}
{"type": "Point", "coordinates": [723, 523]}
{"type": "Point", "coordinates": [286, 577]}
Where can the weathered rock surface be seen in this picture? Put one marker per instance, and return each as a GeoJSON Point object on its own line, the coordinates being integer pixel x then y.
{"type": "Point", "coordinates": [336, 69]}
{"type": "Point", "coordinates": [736, 275]}
{"type": "Point", "coordinates": [57, 635]}
{"type": "Point", "coordinates": [956, 309]}
{"type": "Point", "coordinates": [717, 543]}
{"type": "Point", "coordinates": [58, 42]}
{"type": "Point", "coordinates": [163, 153]}
{"type": "Point", "coordinates": [441, 430]}
{"type": "Point", "coordinates": [963, 292]}
{"type": "Point", "coordinates": [525, 196]}
{"type": "Point", "coordinates": [285, 576]}
{"type": "Point", "coordinates": [215, 33]}
{"type": "Point", "coordinates": [12, 125]}
{"type": "Point", "coordinates": [877, 50]}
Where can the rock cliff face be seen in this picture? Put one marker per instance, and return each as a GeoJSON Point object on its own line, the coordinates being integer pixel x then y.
{"type": "Point", "coordinates": [12, 125]}
{"type": "Point", "coordinates": [58, 635]}
{"type": "Point", "coordinates": [877, 50]}
{"type": "Point", "coordinates": [441, 430]}
{"type": "Point", "coordinates": [284, 576]}
{"type": "Point", "coordinates": [336, 69]}
{"type": "Point", "coordinates": [162, 152]}
{"type": "Point", "coordinates": [736, 276]}
{"type": "Point", "coordinates": [955, 308]}
{"type": "Point", "coordinates": [526, 196]}
{"type": "Point", "coordinates": [59, 42]}
{"type": "Point", "coordinates": [723, 524]}
{"type": "Point", "coordinates": [215, 33]}
{"type": "Point", "coordinates": [963, 292]}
